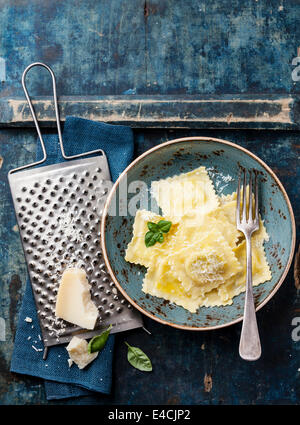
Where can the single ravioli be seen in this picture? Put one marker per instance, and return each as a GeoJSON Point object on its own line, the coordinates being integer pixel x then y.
{"type": "Point", "coordinates": [181, 194]}
{"type": "Point", "coordinates": [137, 252]}
{"type": "Point", "coordinates": [160, 282]}
{"type": "Point", "coordinates": [195, 224]}
{"type": "Point", "coordinates": [205, 264]}
{"type": "Point", "coordinates": [213, 299]}
{"type": "Point", "coordinates": [260, 268]}
{"type": "Point", "coordinates": [228, 207]}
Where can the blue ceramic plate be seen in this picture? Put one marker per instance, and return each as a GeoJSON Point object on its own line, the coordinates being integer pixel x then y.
{"type": "Point", "coordinates": [221, 159]}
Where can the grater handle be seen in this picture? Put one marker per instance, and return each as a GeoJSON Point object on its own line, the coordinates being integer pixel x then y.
{"type": "Point", "coordinates": [57, 121]}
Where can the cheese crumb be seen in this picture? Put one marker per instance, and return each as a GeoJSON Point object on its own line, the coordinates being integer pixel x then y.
{"type": "Point", "coordinates": [36, 349]}
{"type": "Point", "coordinates": [28, 319]}
{"type": "Point", "coordinates": [78, 352]}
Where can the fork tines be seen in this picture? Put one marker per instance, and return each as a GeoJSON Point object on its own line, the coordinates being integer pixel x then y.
{"type": "Point", "coordinates": [247, 202]}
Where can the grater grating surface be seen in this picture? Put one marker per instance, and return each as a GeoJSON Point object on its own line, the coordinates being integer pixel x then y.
{"type": "Point", "coordinates": [58, 209]}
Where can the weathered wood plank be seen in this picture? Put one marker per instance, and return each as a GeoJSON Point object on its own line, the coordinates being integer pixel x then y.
{"type": "Point", "coordinates": [150, 47]}
{"type": "Point", "coordinates": [211, 47]}
{"type": "Point", "coordinates": [94, 47]}
{"type": "Point", "coordinates": [269, 112]}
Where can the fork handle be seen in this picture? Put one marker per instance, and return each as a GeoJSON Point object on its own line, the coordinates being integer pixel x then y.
{"type": "Point", "coordinates": [250, 348]}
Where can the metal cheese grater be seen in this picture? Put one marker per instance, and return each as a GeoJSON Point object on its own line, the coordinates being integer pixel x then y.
{"type": "Point", "coordinates": [58, 209]}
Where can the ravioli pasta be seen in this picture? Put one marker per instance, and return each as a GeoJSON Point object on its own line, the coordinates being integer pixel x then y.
{"type": "Point", "coordinates": [187, 192]}
{"type": "Point", "coordinates": [202, 260]}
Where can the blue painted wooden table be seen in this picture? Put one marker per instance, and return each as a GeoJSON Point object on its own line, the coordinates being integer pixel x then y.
{"type": "Point", "coordinates": [169, 69]}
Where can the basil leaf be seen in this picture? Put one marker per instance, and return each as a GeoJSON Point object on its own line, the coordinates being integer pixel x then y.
{"type": "Point", "coordinates": [98, 342]}
{"type": "Point", "coordinates": [156, 231]}
{"type": "Point", "coordinates": [153, 227]}
{"type": "Point", "coordinates": [164, 226]}
{"type": "Point", "coordinates": [150, 239]}
{"type": "Point", "coordinates": [138, 359]}
{"type": "Point", "coordinates": [160, 237]}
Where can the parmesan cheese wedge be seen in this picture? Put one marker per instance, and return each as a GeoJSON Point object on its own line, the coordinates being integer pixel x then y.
{"type": "Point", "coordinates": [74, 303]}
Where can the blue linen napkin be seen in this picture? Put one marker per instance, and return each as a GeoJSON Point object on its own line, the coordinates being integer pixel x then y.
{"type": "Point", "coordinates": [79, 136]}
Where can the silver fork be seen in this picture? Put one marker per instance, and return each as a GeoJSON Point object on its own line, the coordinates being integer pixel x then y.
{"type": "Point", "coordinates": [250, 348]}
